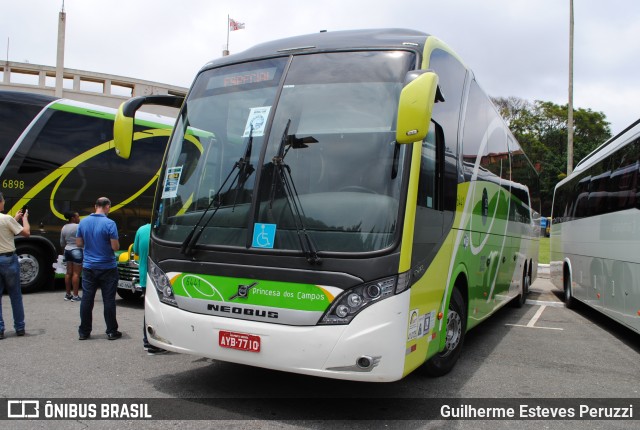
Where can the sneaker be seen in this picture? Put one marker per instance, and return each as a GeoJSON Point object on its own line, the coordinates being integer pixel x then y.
{"type": "Point", "coordinates": [115, 335]}
{"type": "Point", "coordinates": [1, 334]}
{"type": "Point", "coordinates": [152, 350]}
{"type": "Point", "coordinates": [76, 299]}
{"type": "Point", "coordinates": [20, 332]}
{"type": "Point", "coordinates": [83, 336]}
{"type": "Point", "coordinates": [68, 297]}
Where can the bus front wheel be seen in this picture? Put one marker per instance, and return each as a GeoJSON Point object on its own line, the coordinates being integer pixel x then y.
{"type": "Point", "coordinates": [443, 362]}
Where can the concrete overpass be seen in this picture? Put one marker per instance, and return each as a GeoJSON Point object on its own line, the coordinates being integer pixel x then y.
{"type": "Point", "coordinates": [90, 87]}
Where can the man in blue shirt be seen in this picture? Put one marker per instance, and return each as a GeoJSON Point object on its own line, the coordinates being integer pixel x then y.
{"type": "Point", "coordinates": [99, 237]}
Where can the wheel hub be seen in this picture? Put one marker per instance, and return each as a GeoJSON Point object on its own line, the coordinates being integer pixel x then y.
{"type": "Point", "coordinates": [454, 331]}
{"type": "Point", "coordinates": [29, 268]}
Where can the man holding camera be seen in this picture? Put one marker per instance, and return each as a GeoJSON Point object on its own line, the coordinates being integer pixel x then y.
{"type": "Point", "coordinates": [9, 265]}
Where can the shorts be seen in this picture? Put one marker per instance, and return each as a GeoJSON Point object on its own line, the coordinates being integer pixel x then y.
{"type": "Point", "coordinates": [73, 255]}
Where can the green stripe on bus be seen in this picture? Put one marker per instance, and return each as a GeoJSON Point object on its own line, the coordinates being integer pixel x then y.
{"type": "Point", "coordinates": [286, 295]}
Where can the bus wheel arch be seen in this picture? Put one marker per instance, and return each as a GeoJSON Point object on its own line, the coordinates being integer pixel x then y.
{"type": "Point", "coordinates": [454, 332]}
{"type": "Point", "coordinates": [35, 258]}
{"type": "Point", "coordinates": [569, 300]}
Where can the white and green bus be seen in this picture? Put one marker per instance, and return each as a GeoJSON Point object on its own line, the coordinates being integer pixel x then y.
{"type": "Point", "coordinates": [58, 156]}
{"type": "Point", "coordinates": [595, 232]}
{"type": "Point", "coordinates": [356, 207]}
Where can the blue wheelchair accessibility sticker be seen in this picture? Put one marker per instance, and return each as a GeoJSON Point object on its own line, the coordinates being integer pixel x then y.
{"type": "Point", "coordinates": [263, 235]}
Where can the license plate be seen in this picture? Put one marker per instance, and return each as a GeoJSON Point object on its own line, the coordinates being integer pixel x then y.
{"type": "Point", "coordinates": [239, 341]}
{"type": "Point", "coordinates": [126, 285]}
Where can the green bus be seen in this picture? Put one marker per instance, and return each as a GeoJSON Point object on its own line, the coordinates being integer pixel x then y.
{"type": "Point", "coordinates": [17, 110]}
{"type": "Point", "coordinates": [64, 160]}
{"type": "Point", "coordinates": [357, 206]}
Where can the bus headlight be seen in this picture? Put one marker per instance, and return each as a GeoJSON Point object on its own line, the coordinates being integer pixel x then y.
{"type": "Point", "coordinates": [162, 284]}
{"type": "Point", "coordinates": [354, 300]}
{"type": "Point", "coordinates": [348, 304]}
{"type": "Point", "coordinates": [342, 311]}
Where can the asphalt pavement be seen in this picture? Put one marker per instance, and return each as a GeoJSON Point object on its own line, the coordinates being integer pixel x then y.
{"type": "Point", "coordinates": [539, 351]}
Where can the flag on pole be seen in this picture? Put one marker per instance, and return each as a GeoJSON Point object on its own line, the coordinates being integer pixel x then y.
{"type": "Point", "coordinates": [235, 25]}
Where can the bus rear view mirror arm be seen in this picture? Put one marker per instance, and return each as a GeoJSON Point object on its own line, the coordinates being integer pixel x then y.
{"type": "Point", "coordinates": [123, 125]}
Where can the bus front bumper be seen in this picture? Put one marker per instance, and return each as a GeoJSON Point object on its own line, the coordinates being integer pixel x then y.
{"type": "Point", "coordinates": [377, 335]}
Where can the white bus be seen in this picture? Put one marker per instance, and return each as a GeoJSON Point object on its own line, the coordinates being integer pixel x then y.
{"type": "Point", "coordinates": [595, 232]}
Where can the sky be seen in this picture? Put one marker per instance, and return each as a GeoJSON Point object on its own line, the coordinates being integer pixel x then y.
{"type": "Point", "coordinates": [516, 48]}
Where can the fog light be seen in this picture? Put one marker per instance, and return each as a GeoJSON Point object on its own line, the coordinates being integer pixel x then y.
{"type": "Point", "coordinates": [364, 362]}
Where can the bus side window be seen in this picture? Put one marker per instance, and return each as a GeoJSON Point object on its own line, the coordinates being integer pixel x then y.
{"type": "Point", "coordinates": [623, 185]}
{"type": "Point", "coordinates": [452, 75]}
{"type": "Point", "coordinates": [581, 195]}
{"type": "Point", "coordinates": [429, 219]}
{"type": "Point", "coordinates": [598, 194]}
{"type": "Point", "coordinates": [429, 182]}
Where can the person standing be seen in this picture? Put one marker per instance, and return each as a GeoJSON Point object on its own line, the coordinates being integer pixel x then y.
{"type": "Point", "coordinates": [9, 266]}
{"type": "Point", "coordinates": [72, 256]}
{"type": "Point", "coordinates": [98, 235]}
{"type": "Point", "coordinates": [141, 249]}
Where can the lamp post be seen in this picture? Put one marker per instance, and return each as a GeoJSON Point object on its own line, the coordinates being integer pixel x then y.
{"type": "Point", "coordinates": [62, 18]}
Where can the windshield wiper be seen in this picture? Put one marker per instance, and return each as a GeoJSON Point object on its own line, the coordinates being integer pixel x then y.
{"type": "Point", "coordinates": [245, 169]}
{"type": "Point", "coordinates": [283, 172]}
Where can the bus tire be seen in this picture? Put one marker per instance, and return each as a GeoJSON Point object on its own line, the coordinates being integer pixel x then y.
{"type": "Point", "coordinates": [522, 297]}
{"type": "Point", "coordinates": [442, 363]}
{"type": "Point", "coordinates": [128, 295]}
{"type": "Point", "coordinates": [33, 268]}
{"type": "Point", "coordinates": [569, 300]}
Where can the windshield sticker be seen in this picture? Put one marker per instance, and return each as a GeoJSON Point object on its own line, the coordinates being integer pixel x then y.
{"type": "Point", "coordinates": [257, 120]}
{"type": "Point", "coordinates": [171, 182]}
{"type": "Point", "coordinates": [263, 235]}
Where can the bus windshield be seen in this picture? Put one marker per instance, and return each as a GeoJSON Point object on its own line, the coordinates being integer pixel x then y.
{"type": "Point", "coordinates": [289, 145]}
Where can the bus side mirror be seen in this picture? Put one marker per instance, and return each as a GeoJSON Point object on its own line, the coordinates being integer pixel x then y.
{"type": "Point", "coordinates": [123, 124]}
{"type": "Point", "coordinates": [123, 133]}
{"type": "Point", "coordinates": [415, 106]}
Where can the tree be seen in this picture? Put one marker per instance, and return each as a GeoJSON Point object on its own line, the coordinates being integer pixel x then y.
{"type": "Point", "coordinates": [541, 129]}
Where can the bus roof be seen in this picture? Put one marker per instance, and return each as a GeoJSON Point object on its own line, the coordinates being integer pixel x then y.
{"type": "Point", "coordinates": [79, 107]}
{"type": "Point", "coordinates": [612, 145]}
{"type": "Point", "coordinates": [27, 98]}
{"type": "Point", "coordinates": [326, 41]}
{"type": "Point", "coordinates": [110, 113]}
